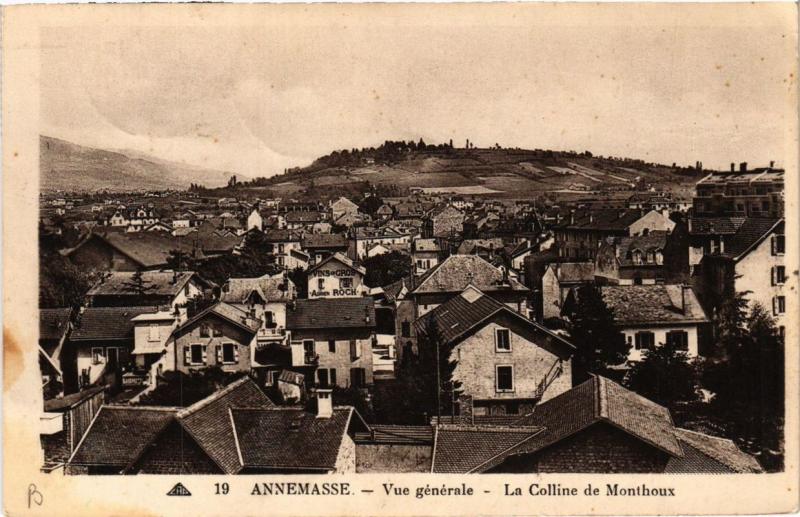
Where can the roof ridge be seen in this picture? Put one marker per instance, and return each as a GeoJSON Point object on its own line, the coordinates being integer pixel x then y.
{"type": "Point", "coordinates": [491, 428]}
{"type": "Point", "coordinates": [142, 408]}
{"type": "Point", "coordinates": [200, 404]}
{"type": "Point", "coordinates": [602, 397]}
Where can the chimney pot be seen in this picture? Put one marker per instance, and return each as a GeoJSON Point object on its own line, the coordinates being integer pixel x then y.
{"type": "Point", "coordinates": [733, 167]}
{"type": "Point", "coordinates": [743, 167]}
{"type": "Point", "coordinates": [324, 403]}
{"type": "Point", "coordinates": [771, 164]}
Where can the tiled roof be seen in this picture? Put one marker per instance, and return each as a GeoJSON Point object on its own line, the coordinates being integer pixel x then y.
{"type": "Point", "coordinates": [426, 245]}
{"type": "Point", "coordinates": [457, 271]}
{"type": "Point", "coordinates": [268, 287]}
{"type": "Point", "coordinates": [461, 449]}
{"type": "Point", "coordinates": [397, 435]}
{"type": "Point", "coordinates": [149, 249]}
{"type": "Point", "coordinates": [461, 313]}
{"type": "Point", "coordinates": [228, 312]}
{"type": "Point", "coordinates": [209, 423]}
{"type": "Point", "coordinates": [324, 240]}
{"type": "Point", "coordinates": [470, 245]}
{"type": "Point", "coordinates": [323, 313]}
{"type": "Point", "coordinates": [290, 438]}
{"type": "Point", "coordinates": [276, 235]}
{"type": "Point", "coordinates": [656, 303]}
{"type": "Point", "coordinates": [53, 323]}
{"type": "Point", "coordinates": [119, 434]}
{"type": "Point", "coordinates": [604, 220]}
{"type": "Point", "coordinates": [601, 400]}
{"type": "Point", "coordinates": [714, 225]}
{"type": "Point", "coordinates": [750, 233]}
{"type": "Point", "coordinates": [107, 322]}
{"type": "Point", "coordinates": [720, 450]}
{"type": "Point", "coordinates": [340, 258]}
{"type": "Point", "coordinates": [166, 283]}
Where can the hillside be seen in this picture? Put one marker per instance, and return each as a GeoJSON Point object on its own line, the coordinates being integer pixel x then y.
{"type": "Point", "coordinates": [67, 166]}
{"type": "Point", "coordinates": [496, 172]}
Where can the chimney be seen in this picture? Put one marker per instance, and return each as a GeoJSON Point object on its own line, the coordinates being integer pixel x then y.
{"type": "Point", "coordinates": [572, 216]}
{"type": "Point", "coordinates": [733, 167]}
{"type": "Point", "coordinates": [684, 287]}
{"type": "Point", "coordinates": [743, 167]}
{"type": "Point", "coordinates": [771, 164]}
{"type": "Point", "coordinates": [324, 403]}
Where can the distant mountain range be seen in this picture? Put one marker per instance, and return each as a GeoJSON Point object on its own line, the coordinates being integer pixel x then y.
{"type": "Point", "coordinates": [67, 166]}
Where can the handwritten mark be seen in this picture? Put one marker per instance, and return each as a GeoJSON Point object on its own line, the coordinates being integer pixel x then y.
{"type": "Point", "coordinates": [34, 496]}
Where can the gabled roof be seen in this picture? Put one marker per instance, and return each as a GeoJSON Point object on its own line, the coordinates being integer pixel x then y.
{"type": "Point", "coordinates": [53, 323]}
{"type": "Point", "coordinates": [469, 310]}
{"type": "Point", "coordinates": [338, 257]}
{"type": "Point", "coordinates": [227, 312]}
{"type": "Point", "coordinates": [208, 421]}
{"type": "Point", "coordinates": [271, 288]}
{"type": "Point", "coordinates": [653, 304]}
{"type": "Point", "coordinates": [601, 400]}
{"type": "Point", "coordinates": [705, 453]}
{"type": "Point", "coordinates": [148, 249]}
{"type": "Point", "coordinates": [462, 449]}
{"type": "Point", "coordinates": [160, 283]}
{"type": "Point", "coordinates": [328, 313]}
{"type": "Point", "coordinates": [118, 435]}
{"type": "Point", "coordinates": [397, 434]}
{"type": "Point", "coordinates": [73, 399]}
{"type": "Point", "coordinates": [753, 231]}
{"type": "Point", "coordinates": [457, 271]}
{"type": "Point", "coordinates": [278, 235]}
{"type": "Point", "coordinates": [605, 220]}
{"type": "Point", "coordinates": [289, 438]}
{"type": "Point", "coordinates": [426, 245]}
{"type": "Point", "coordinates": [343, 203]}
{"type": "Point", "coordinates": [105, 323]}
{"type": "Point", "coordinates": [714, 225]}
{"type": "Point", "coordinates": [469, 246]}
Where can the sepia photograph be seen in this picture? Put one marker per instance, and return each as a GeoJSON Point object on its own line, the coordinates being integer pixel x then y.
{"type": "Point", "coordinates": [378, 240]}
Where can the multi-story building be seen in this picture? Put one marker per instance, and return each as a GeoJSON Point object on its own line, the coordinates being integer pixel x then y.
{"type": "Point", "coordinates": [743, 193]}
{"type": "Point", "coordinates": [336, 277]}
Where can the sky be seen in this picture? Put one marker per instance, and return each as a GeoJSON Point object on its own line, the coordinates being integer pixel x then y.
{"type": "Point", "coordinates": [278, 92]}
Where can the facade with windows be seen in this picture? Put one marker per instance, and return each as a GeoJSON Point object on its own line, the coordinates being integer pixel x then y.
{"type": "Point", "coordinates": [221, 336]}
{"type": "Point", "coordinates": [506, 362]}
{"type": "Point", "coordinates": [336, 277]}
{"type": "Point", "coordinates": [653, 315]}
{"type": "Point", "coordinates": [742, 193]}
{"type": "Point", "coordinates": [753, 263]}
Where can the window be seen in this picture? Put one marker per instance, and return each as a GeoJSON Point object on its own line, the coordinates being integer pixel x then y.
{"type": "Point", "coordinates": [779, 305]}
{"type": "Point", "coordinates": [679, 338]}
{"type": "Point", "coordinates": [346, 283]}
{"type": "Point", "coordinates": [405, 329]}
{"type": "Point", "coordinates": [332, 346]}
{"type": "Point", "coordinates": [153, 334]}
{"type": "Point", "coordinates": [320, 284]}
{"type": "Point", "coordinates": [326, 377]}
{"type": "Point", "coordinates": [98, 355]}
{"type": "Point", "coordinates": [502, 340]}
{"type": "Point", "coordinates": [229, 353]}
{"type": "Point", "coordinates": [637, 257]}
{"type": "Point", "coordinates": [197, 353]}
{"type": "Point", "coordinates": [308, 346]}
{"type": "Point", "coordinates": [358, 377]}
{"type": "Point", "coordinates": [272, 376]}
{"type": "Point", "coordinates": [204, 330]}
{"type": "Point", "coordinates": [504, 381]}
{"type": "Point", "coordinates": [778, 244]}
{"type": "Point", "coordinates": [778, 275]}
{"type": "Point", "coordinates": [645, 340]}
{"type": "Point", "coordinates": [355, 350]}
{"type": "Point", "coordinates": [269, 318]}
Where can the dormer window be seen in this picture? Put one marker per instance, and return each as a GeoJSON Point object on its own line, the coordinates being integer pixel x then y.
{"type": "Point", "coordinates": [637, 257]}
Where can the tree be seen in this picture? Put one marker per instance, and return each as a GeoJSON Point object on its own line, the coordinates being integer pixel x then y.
{"type": "Point", "coordinates": [746, 378]}
{"type": "Point", "coordinates": [599, 342]}
{"type": "Point", "coordinates": [386, 268]}
{"type": "Point", "coordinates": [664, 375]}
{"type": "Point", "coordinates": [299, 278]}
{"type": "Point", "coordinates": [138, 284]}
{"type": "Point", "coordinates": [424, 386]}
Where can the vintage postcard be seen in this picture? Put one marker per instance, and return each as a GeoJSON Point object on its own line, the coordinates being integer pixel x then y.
{"type": "Point", "coordinates": [400, 259]}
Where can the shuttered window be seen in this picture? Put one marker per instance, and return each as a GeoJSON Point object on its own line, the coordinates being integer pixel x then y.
{"type": "Point", "coordinates": [679, 338]}
{"type": "Point", "coordinates": [645, 340]}
{"type": "Point", "coordinates": [505, 378]}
